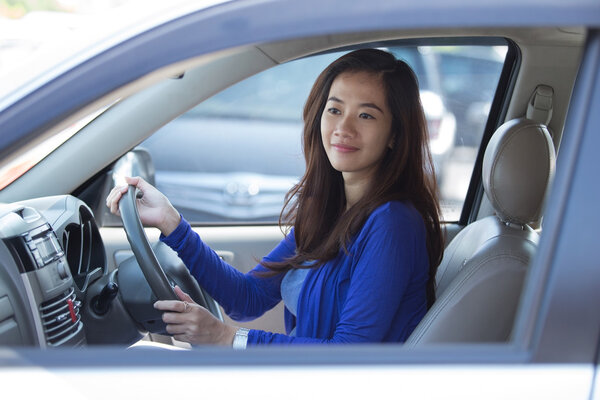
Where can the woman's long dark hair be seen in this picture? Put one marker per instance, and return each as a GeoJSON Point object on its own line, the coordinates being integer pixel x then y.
{"type": "Point", "coordinates": [316, 206]}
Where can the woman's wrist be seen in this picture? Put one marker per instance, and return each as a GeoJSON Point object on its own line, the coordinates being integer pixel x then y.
{"type": "Point", "coordinates": [228, 334]}
{"type": "Point", "coordinates": [170, 222]}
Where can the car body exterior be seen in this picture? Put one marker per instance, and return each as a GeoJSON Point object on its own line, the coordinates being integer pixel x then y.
{"type": "Point", "coordinates": [553, 352]}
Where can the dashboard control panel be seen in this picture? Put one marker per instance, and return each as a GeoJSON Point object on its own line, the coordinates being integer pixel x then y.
{"type": "Point", "coordinates": [45, 278]}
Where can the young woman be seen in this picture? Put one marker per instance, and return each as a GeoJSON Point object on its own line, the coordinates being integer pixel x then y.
{"type": "Point", "coordinates": [360, 260]}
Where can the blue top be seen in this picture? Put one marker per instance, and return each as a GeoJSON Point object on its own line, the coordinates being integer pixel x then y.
{"type": "Point", "coordinates": [291, 286]}
{"type": "Point", "coordinates": [375, 293]}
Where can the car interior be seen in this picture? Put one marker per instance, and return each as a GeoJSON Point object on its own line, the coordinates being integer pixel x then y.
{"type": "Point", "coordinates": [91, 289]}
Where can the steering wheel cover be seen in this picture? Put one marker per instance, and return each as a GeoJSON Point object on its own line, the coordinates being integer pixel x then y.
{"type": "Point", "coordinates": [153, 272]}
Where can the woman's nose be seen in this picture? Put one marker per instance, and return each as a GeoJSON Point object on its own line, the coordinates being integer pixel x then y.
{"type": "Point", "coordinates": [344, 127]}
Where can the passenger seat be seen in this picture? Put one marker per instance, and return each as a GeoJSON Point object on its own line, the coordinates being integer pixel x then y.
{"type": "Point", "coordinates": [480, 278]}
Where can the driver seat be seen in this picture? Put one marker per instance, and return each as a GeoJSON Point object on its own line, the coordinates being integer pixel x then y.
{"type": "Point", "coordinates": [480, 278]}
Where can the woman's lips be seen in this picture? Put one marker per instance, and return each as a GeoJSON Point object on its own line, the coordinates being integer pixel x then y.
{"type": "Point", "coordinates": [344, 148]}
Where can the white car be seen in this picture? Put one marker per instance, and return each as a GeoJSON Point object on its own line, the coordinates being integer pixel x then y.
{"type": "Point", "coordinates": [516, 315]}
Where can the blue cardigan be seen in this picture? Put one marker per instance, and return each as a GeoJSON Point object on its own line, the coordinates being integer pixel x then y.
{"type": "Point", "coordinates": [375, 293]}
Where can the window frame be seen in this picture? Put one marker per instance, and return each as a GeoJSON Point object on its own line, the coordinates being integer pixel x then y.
{"type": "Point", "coordinates": [530, 344]}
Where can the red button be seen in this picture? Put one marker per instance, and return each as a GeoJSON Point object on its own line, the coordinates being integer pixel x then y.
{"type": "Point", "coordinates": [72, 310]}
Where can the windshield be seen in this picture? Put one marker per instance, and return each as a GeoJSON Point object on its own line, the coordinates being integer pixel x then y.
{"type": "Point", "coordinates": [42, 38]}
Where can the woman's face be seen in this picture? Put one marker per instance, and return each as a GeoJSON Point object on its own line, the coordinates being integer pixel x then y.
{"type": "Point", "coordinates": [356, 124]}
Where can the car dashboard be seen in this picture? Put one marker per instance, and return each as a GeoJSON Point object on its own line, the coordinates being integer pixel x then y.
{"type": "Point", "coordinates": [50, 250]}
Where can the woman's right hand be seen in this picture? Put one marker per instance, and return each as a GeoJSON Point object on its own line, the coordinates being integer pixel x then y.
{"type": "Point", "coordinates": [153, 207]}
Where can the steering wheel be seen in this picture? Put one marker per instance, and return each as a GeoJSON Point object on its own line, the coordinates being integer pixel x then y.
{"type": "Point", "coordinates": [151, 268]}
{"type": "Point", "coordinates": [153, 272]}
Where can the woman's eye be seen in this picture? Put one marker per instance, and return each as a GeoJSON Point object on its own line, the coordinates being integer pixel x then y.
{"type": "Point", "coordinates": [366, 116]}
{"type": "Point", "coordinates": [333, 111]}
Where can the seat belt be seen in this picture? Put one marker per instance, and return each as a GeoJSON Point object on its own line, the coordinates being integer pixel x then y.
{"type": "Point", "coordinates": [539, 109]}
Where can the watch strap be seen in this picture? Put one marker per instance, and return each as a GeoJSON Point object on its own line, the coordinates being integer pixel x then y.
{"type": "Point", "coordinates": [240, 340]}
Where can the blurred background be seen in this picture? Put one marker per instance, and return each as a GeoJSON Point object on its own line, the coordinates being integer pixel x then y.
{"type": "Point", "coordinates": [37, 34]}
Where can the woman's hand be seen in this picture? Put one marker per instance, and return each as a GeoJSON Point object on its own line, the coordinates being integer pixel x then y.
{"type": "Point", "coordinates": [192, 323]}
{"type": "Point", "coordinates": [154, 208]}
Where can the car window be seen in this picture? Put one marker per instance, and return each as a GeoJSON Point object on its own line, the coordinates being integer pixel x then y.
{"type": "Point", "coordinates": [235, 156]}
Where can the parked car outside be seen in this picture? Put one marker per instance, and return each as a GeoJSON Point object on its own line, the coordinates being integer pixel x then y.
{"type": "Point", "coordinates": [475, 67]}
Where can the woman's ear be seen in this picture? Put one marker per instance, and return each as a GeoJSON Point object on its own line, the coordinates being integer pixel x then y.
{"type": "Point", "coordinates": [392, 143]}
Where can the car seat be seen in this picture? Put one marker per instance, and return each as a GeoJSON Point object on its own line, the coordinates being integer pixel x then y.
{"type": "Point", "coordinates": [480, 278]}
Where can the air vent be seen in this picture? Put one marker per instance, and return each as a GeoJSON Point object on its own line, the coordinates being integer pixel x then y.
{"type": "Point", "coordinates": [73, 239]}
{"type": "Point", "coordinates": [60, 318]}
{"type": "Point", "coordinates": [83, 247]}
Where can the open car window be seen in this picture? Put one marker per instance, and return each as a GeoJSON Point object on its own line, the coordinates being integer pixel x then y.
{"type": "Point", "coordinates": [233, 158]}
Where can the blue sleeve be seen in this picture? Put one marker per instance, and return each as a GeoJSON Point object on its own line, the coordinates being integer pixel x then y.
{"type": "Point", "coordinates": [388, 249]}
{"type": "Point", "coordinates": [254, 294]}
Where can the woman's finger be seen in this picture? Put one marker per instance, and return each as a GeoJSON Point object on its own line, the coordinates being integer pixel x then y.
{"type": "Point", "coordinates": [135, 181]}
{"type": "Point", "coordinates": [171, 305]}
{"type": "Point", "coordinates": [110, 197]}
{"type": "Point", "coordinates": [114, 204]}
{"type": "Point", "coordinates": [112, 200]}
{"type": "Point", "coordinates": [176, 329]}
{"type": "Point", "coordinates": [183, 295]}
{"type": "Point", "coordinates": [174, 318]}
{"type": "Point", "coordinates": [178, 319]}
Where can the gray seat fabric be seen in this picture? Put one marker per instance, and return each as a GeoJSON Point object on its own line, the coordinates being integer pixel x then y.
{"type": "Point", "coordinates": [480, 278]}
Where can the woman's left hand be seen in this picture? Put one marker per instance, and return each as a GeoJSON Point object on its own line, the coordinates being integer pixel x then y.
{"type": "Point", "coordinates": [192, 323]}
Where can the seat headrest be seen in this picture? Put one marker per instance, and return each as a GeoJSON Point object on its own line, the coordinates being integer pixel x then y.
{"type": "Point", "coordinates": [518, 167]}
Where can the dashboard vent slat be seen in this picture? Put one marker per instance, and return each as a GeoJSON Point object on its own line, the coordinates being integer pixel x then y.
{"type": "Point", "coordinates": [56, 318]}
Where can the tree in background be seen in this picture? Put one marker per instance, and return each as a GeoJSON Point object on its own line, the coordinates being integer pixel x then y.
{"type": "Point", "coordinates": [18, 8]}
{"type": "Point", "coordinates": [15, 9]}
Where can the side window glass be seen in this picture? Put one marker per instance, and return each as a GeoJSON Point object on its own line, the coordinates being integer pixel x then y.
{"type": "Point", "coordinates": [465, 78]}
{"type": "Point", "coordinates": [233, 158]}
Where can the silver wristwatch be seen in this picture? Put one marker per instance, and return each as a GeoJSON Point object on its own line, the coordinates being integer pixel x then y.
{"type": "Point", "coordinates": [240, 340]}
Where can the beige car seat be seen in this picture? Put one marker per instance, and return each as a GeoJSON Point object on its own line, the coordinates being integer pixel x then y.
{"type": "Point", "coordinates": [483, 269]}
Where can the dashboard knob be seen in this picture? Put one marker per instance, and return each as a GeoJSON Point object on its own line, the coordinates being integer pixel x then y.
{"type": "Point", "coordinates": [62, 270]}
